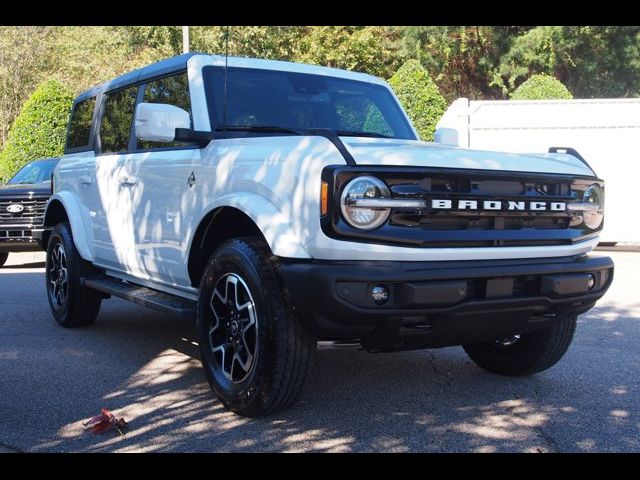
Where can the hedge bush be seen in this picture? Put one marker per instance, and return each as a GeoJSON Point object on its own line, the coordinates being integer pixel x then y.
{"type": "Point", "coordinates": [40, 128]}
{"type": "Point", "coordinates": [541, 87]}
{"type": "Point", "coordinates": [419, 96]}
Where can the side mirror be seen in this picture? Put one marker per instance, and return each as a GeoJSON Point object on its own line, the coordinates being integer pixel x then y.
{"type": "Point", "coordinates": [446, 136]}
{"type": "Point", "coordinates": [157, 122]}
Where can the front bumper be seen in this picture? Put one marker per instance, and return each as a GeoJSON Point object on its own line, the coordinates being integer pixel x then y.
{"type": "Point", "coordinates": [20, 239]}
{"type": "Point", "coordinates": [437, 304]}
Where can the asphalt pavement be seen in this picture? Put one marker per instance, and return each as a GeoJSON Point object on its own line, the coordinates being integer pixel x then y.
{"type": "Point", "coordinates": [144, 366]}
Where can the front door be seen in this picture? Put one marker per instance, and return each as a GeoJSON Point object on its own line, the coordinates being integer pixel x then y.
{"type": "Point", "coordinates": [161, 201]}
{"type": "Point", "coordinates": [165, 190]}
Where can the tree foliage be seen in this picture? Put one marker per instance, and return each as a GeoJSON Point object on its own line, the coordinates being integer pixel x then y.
{"type": "Point", "coordinates": [591, 61]}
{"type": "Point", "coordinates": [419, 96]}
{"type": "Point", "coordinates": [461, 59]}
{"type": "Point", "coordinates": [25, 54]}
{"type": "Point", "coordinates": [478, 62]}
{"type": "Point", "coordinates": [364, 49]}
{"type": "Point", "coordinates": [541, 87]}
{"type": "Point", "coordinates": [39, 130]}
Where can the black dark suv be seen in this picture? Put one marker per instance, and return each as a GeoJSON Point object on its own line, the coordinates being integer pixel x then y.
{"type": "Point", "coordinates": [22, 203]}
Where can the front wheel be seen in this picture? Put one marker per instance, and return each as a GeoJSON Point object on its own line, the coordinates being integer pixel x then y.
{"type": "Point", "coordinates": [527, 353]}
{"type": "Point", "coordinates": [3, 258]}
{"type": "Point", "coordinates": [254, 348]}
{"type": "Point", "coordinates": [72, 304]}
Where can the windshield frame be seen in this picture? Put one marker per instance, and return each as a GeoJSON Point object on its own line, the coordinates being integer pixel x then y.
{"type": "Point", "coordinates": [53, 161]}
{"type": "Point", "coordinates": [216, 126]}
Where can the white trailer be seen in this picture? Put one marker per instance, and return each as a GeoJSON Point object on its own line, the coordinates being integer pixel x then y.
{"type": "Point", "coordinates": [606, 132]}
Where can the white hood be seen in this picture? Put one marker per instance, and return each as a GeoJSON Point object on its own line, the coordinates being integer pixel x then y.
{"type": "Point", "coordinates": [382, 151]}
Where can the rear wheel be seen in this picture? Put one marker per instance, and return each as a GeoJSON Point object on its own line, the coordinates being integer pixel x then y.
{"type": "Point", "coordinates": [254, 348]}
{"type": "Point", "coordinates": [527, 353]}
{"type": "Point", "coordinates": [3, 258]}
{"type": "Point", "coordinates": [72, 304]}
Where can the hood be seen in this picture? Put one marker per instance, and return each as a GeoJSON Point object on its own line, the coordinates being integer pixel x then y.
{"type": "Point", "coordinates": [25, 191]}
{"type": "Point", "coordinates": [382, 151]}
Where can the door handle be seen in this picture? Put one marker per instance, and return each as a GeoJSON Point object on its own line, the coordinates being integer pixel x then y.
{"type": "Point", "coordinates": [85, 180]}
{"type": "Point", "coordinates": [128, 182]}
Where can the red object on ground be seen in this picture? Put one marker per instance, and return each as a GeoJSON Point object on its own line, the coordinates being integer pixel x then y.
{"type": "Point", "coordinates": [105, 421]}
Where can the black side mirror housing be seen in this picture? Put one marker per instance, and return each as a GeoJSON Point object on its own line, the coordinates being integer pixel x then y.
{"type": "Point", "coordinates": [198, 137]}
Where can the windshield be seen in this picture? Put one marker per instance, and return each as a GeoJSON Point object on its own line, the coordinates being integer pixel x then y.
{"type": "Point", "coordinates": [34, 172]}
{"type": "Point", "coordinates": [257, 97]}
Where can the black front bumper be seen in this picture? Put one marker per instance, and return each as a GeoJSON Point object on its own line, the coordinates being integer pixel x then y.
{"type": "Point", "coordinates": [437, 304]}
{"type": "Point", "coordinates": [20, 239]}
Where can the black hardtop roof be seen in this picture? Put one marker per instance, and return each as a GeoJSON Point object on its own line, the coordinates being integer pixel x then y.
{"type": "Point", "coordinates": [163, 67]}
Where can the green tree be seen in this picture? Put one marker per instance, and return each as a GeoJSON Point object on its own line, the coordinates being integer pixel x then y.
{"type": "Point", "coordinates": [419, 96]}
{"type": "Point", "coordinates": [541, 87]}
{"type": "Point", "coordinates": [364, 49]}
{"type": "Point", "coordinates": [461, 59]}
{"type": "Point", "coordinates": [592, 61]}
{"type": "Point", "coordinates": [271, 42]}
{"type": "Point", "coordinates": [40, 128]}
{"type": "Point", "coordinates": [25, 53]}
{"type": "Point", "coordinates": [88, 56]}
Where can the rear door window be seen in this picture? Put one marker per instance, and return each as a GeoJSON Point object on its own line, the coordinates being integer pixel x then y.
{"type": "Point", "coordinates": [79, 132]}
{"type": "Point", "coordinates": [115, 127]}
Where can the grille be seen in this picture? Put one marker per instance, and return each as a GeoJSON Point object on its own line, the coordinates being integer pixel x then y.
{"type": "Point", "coordinates": [484, 228]}
{"type": "Point", "coordinates": [516, 221]}
{"type": "Point", "coordinates": [32, 215]}
{"type": "Point", "coordinates": [16, 236]}
{"type": "Point", "coordinates": [456, 222]}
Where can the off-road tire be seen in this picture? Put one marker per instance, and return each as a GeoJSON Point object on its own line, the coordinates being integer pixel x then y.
{"type": "Point", "coordinates": [532, 353]}
{"type": "Point", "coordinates": [81, 305]}
{"type": "Point", "coordinates": [282, 343]}
{"type": "Point", "coordinates": [3, 258]}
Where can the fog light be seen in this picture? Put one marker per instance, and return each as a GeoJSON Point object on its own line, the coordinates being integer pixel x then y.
{"type": "Point", "coordinates": [380, 294]}
{"type": "Point", "coordinates": [591, 281]}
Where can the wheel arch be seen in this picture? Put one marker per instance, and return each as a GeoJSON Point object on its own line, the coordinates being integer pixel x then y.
{"type": "Point", "coordinates": [63, 207]}
{"type": "Point", "coordinates": [230, 221]}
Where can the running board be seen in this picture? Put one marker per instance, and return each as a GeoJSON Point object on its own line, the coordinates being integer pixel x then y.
{"type": "Point", "coordinates": [144, 296]}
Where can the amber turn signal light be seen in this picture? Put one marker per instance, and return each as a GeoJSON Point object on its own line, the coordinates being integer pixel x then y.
{"type": "Point", "coordinates": [324, 198]}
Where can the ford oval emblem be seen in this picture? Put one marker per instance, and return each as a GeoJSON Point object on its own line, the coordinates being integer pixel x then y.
{"type": "Point", "coordinates": [15, 208]}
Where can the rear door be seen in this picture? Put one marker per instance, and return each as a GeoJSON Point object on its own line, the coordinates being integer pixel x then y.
{"type": "Point", "coordinates": [114, 226]}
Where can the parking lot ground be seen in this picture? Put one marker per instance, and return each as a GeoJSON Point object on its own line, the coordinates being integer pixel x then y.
{"type": "Point", "coordinates": [144, 366]}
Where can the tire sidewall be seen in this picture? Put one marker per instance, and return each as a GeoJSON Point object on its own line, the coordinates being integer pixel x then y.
{"type": "Point", "coordinates": [231, 259]}
{"type": "Point", "coordinates": [534, 352]}
{"type": "Point", "coordinates": [60, 234]}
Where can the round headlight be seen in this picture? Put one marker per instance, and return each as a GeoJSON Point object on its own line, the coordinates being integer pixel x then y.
{"type": "Point", "coordinates": [594, 196]}
{"type": "Point", "coordinates": [364, 188]}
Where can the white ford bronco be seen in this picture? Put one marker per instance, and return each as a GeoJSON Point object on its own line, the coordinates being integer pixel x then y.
{"type": "Point", "coordinates": [288, 207]}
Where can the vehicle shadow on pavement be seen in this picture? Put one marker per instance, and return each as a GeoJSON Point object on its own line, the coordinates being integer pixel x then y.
{"type": "Point", "coordinates": [27, 265]}
{"type": "Point", "coordinates": [144, 366]}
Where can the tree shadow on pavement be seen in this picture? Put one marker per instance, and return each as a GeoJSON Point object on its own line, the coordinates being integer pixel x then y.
{"type": "Point", "coordinates": [144, 366]}
{"type": "Point", "coordinates": [413, 401]}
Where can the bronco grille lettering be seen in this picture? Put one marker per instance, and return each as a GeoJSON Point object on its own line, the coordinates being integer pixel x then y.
{"type": "Point", "coordinates": [445, 204]}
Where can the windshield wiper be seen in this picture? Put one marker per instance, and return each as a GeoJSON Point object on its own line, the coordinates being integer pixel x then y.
{"type": "Point", "coordinates": [355, 133]}
{"type": "Point", "coordinates": [259, 128]}
{"type": "Point", "coordinates": [331, 135]}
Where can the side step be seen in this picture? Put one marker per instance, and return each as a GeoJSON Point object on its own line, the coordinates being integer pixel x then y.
{"type": "Point", "coordinates": [144, 296]}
